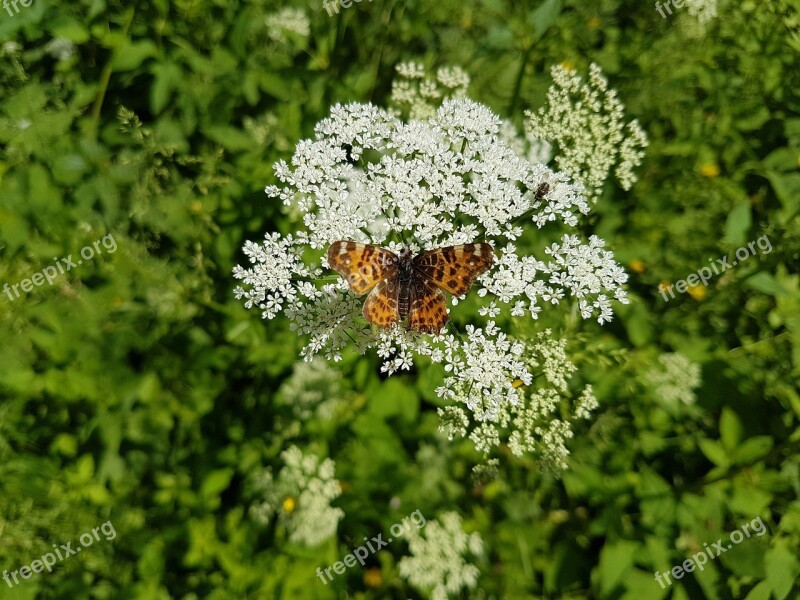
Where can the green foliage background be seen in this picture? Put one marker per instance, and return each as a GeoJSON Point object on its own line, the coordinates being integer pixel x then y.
{"type": "Point", "coordinates": [136, 389]}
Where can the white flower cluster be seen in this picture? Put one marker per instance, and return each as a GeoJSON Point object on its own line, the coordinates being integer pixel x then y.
{"type": "Point", "coordinates": [10, 48]}
{"type": "Point", "coordinates": [586, 123]}
{"type": "Point", "coordinates": [446, 180]}
{"type": "Point", "coordinates": [529, 421]}
{"type": "Point", "coordinates": [528, 145]}
{"type": "Point", "coordinates": [313, 389]}
{"type": "Point", "coordinates": [417, 95]}
{"type": "Point", "coordinates": [282, 278]}
{"type": "Point", "coordinates": [702, 10]}
{"type": "Point", "coordinates": [675, 380]}
{"type": "Point", "coordinates": [291, 20]}
{"type": "Point", "coordinates": [301, 496]}
{"type": "Point", "coordinates": [369, 176]}
{"type": "Point", "coordinates": [60, 49]}
{"type": "Point", "coordinates": [262, 129]}
{"type": "Point", "coordinates": [480, 375]}
{"type": "Point", "coordinates": [438, 566]}
{"type": "Point", "coordinates": [586, 272]}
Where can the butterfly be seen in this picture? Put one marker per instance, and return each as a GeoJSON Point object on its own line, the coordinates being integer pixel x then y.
{"type": "Point", "coordinates": [409, 286]}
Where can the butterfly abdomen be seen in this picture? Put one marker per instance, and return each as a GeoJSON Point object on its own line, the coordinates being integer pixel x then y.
{"type": "Point", "coordinates": [405, 275]}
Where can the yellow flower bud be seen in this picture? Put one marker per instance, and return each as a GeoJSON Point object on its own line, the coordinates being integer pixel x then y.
{"type": "Point", "coordinates": [637, 266]}
{"type": "Point", "coordinates": [698, 292]}
{"type": "Point", "coordinates": [373, 578]}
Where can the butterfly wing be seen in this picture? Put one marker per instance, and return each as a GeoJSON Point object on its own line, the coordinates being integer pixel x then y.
{"type": "Point", "coordinates": [362, 265]}
{"type": "Point", "coordinates": [428, 312]}
{"type": "Point", "coordinates": [381, 306]}
{"type": "Point", "coordinates": [454, 268]}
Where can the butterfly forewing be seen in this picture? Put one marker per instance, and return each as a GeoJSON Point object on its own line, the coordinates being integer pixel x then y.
{"type": "Point", "coordinates": [454, 268]}
{"type": "Point", "coordinates": [362, 265]}
{"type": "Point", "coordinates": [428, 312]}
{"type": "Point", "coordinates": [381, 306]}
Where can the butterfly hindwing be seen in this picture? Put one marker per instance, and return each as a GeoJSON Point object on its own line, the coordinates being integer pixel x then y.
{"type": "Point", "coordinates": [428, 310]}
{"type": "Point", "coordinates": [362, 265]}
{"type": "Point", "coordinates": [455, 268]}
{"type": "Point", "coordinates": [381, 306]}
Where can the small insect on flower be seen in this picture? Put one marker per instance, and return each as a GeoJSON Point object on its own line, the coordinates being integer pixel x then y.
{"type": "Point", "coordinates": [542, 190]}
{"type": "Point", "coordinates": [405, 286]}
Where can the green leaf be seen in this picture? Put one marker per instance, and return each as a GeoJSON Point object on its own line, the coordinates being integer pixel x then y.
{"type": "Point", "coordinates": [395, 397]}
{"type": "Point", "coordinates": [782, 159]}
{"type": "Point", "coordinates": [738, 223]}
{"type": "Point", "coordinates": [616, 560]}
{"type": "Point", "coordinates": [708, 579]}
{"type": "Point", "coordinates": [639, 584]}
{"type": "Point", "coordinates": [544, 16]}
{"type": "Point", "coordinates": [746, 559]}
{"type": "Point", "coordinates": [765, 283]}
{"type": "Point", "coordinates": [752, 449]}
{"type": "Point", "coordinates": [215, 482]}
{"type": "Point", "coordinates": [714, 452]}
{"type": "Point", "coordinates": [168, 78]}
{"type": "Point", "coordinates": [230, 138]}
{"type": "Point", "coordinates": [730, 429]}
{"type": "Point", "coordinates": [748, 500]}
{"type": "Point", "coordinates": [760, 592]}
{"type": "Point", "coordinates": [782, 568]}
{"type": "Point", "coordinates": [130, 55]}
{"type": "Point", "coordinates": [787, 189]}
{"type": "Point", "coordinates": [71, 29]}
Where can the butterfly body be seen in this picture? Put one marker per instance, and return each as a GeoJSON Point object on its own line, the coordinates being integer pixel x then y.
{"type": "Point", "coordinates": [409, 287]}
{"type": "Point", "coordinates": [406, 281]}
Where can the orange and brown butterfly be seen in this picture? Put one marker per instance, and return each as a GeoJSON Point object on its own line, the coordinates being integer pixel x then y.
{"type": "Point", "coordinates": [409, 286]}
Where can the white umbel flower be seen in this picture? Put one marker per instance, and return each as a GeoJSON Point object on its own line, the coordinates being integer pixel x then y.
{"type": "Point", "coordinates": [449, 178]}
{"type": "Point", "coordinates": [418, 95]}
{"type": "Point", "coordinates": [496, 399]}
{"type": "Point", "coordinates": [586, 122]}
{"type": "Point", "coordinates": [60, 49]}
{"type": "Point", "coordinates": [702, 10]}
{"type": "Point", "coordinates": [287, 20]}
{"type": "Point", "coordinates": [439, 565]}
{"type": "Point", "coordinates": [314, 389]}
{"type": "Point", "coordinates": [301, 497]}
{"type": "Point", "coordinates": [675, 379]}
{"type": "Point", "coordinates": [432, 183]}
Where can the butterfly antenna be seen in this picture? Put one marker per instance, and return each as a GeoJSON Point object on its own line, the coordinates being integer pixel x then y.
{"type": "Point", "coordinates": [347, 333]}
